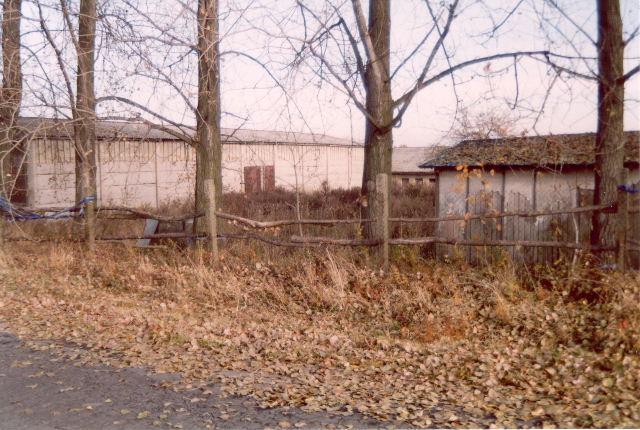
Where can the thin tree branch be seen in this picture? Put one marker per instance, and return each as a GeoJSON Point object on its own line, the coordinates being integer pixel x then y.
{"type": "Point", "coordinates": [59, 59]}
{"type": "Point", "coordinates": [559, 68]}
{"type": "Point", "coordinates": [421, 85]}
{"type": "Point", "coordinates": [355, 49]}
{"type": "Point", "coordinates": [179, 135]}
{"type": "Point", "coordinates": [568, 18]}
{"type": "Point", "coordinates": [412, 53]}
{"type": "Point", "coordinates": [515, 74]}
{"type": "Point", "coordinates": [630, 73]}
{"type": "Point", "coordinates": [632, 36]}
{"type": "Point", "coordinates": [442, 36]}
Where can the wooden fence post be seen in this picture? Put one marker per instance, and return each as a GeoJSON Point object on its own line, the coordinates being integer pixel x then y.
{"type": "Point", "coordinates": [210, 218]}
{"type": "Point", "coordinates": [622, 223]}
{"type": "Point", "coordinates": [2, 230]}
{"type": "Point", "coordinates": [382, 220]}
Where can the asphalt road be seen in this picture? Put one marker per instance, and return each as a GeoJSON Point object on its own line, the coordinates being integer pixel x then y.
{"type": "Point", "coordinates": [50, 389]}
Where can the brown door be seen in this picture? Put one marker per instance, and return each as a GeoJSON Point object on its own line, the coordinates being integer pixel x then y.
{"type": "Point", "coordinates": [269, 178]}
{"type": "Point", "coordinates": [252, 179]}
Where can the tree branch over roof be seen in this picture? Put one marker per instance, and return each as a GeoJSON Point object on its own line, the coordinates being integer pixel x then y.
{"type": "Point", "coordinates": [179, 134]}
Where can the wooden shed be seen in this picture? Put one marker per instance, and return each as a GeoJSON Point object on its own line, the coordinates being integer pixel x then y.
{"type": "Point", "coordinates": [521, 174]}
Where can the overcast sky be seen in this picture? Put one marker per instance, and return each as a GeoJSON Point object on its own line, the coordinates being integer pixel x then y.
{"type": "Point", "coordinates": [303, 102]}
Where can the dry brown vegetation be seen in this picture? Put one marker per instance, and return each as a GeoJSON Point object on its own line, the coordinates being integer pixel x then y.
{"type": "Point", "coordinates": [426, 344]}
{"type": "Point", "coordinates": [408, 202]}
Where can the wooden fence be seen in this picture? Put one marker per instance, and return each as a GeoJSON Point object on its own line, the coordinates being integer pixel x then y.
{"type": "Point", "coordinates": [486, 232]}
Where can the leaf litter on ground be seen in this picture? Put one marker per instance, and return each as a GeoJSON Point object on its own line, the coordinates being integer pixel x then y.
{"type": "Point", "coordinates": [444, 346]}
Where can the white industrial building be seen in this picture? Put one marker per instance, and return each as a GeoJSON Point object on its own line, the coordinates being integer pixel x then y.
{"type": "Point", "coordinates": [139, 165]}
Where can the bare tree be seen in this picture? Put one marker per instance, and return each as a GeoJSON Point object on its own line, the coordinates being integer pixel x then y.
{"type": "Point", "coordinates": [488, 124]}
{"type": "Point", "coordinates": [610, 143]}
{"type": "Point", "coordinates": [164, 59]}
{"type": "Point", "coordinates": [85, 121]}
{"type": "Point", "coordinates": [81, 103]}
{"type": "Point", "coordinates": [11, 95]}
{"type": "Point", "coordinates": [209, 148]}
{"type": "Point", "coordinates": [379, 105]}
{"type": "Point", "coordinates": [601, 59]}
{"type": "Point", "coordinates": [354, 54]}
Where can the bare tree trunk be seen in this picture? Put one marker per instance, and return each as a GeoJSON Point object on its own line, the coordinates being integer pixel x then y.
{"type": "Point", "coordinates": [11, 95]}
{"type": "Point", "coordinates": [610, 132]}
{"type": "Point", "coordinates": [379, 104]}
{"type": "Point", "coordinates": [209, 148]}
{"type": "Point", "coordinates": [85, 121]}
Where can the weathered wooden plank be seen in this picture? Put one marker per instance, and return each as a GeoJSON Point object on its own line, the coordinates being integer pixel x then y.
{"type": "Point", "coordinates": [333, 241]}
{"type": "Point", "coordinates": [150, 227]}
{"type": "Point", "coordinates": [523, 243]}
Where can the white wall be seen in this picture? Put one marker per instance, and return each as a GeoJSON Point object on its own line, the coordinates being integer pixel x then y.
{"type": "Point", "coordinates": [451, 198]}
{"type": "Point", "coordinates": [154, 173]}
{"type": "Point", "coordinates": [522, 191]}
{"type": "Point", "coordinates": [551, 188]}
{"type": "Point", "coordinates": [304, 166]}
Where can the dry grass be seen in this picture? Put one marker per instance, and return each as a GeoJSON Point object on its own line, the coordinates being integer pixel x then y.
{"type": "Point", "coordinates": [433, 300]}
{"type": "Point", "coordinates": [276, 205]}
{"type": "Point", "coordinates": [320, 331]}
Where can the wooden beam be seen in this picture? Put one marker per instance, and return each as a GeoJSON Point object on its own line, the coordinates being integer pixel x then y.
{"type": "Point", "coordinates": [333, 241]}
{"type": "Point", "coordinates": [523, 243]}
{"type": "Point", "coordinates": [605, 208]}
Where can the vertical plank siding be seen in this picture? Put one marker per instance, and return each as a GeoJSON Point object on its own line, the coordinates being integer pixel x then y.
{"type": "Point", "coordinates": [520, 190]}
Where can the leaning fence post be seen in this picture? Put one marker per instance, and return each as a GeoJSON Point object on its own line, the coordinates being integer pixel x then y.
{"type": "Point", "coordinates": [210, 218]}
{"type": "Point", "coordinates": [623, 222]}
{"type": "Point", "coordinates": [382, 219]}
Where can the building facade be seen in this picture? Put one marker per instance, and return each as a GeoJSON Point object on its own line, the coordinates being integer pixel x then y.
{"type": "Point", "coordinates": [405, 166]}
{"type": "Point", "coordinates": [138, 165]}
{"type": "Point", "coordinates": [523, 174]}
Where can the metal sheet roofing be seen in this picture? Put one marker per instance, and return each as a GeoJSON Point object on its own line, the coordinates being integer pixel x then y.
{"type": "Point", "coordinates": [408, 160]}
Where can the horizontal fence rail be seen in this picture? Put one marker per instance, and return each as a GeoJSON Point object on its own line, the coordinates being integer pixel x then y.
{"type": "Point", "coordinates": [522, 243]}
{"type": "Point", "coordinates": [131, 213]}
{"type": "Point", "coordinates": [610, 208]}
{"type": "Point", "coordinates": [622, 206]}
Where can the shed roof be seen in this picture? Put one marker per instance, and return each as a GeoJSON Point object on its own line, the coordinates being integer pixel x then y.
{"type": "Point", "coordinates": [550, 150]}
{"type": "Point", "coordinates": [408, 160]}
{"type": "Point", "coordinates": [63, 129]}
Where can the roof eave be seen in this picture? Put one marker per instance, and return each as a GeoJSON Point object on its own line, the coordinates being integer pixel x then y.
{"type": "Point", "coordinates": [628, 164]}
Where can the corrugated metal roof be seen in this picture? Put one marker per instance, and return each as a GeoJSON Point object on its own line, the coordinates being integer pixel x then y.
{"type": "Point", "coordinates": [551, 150]}
{"type": "Point", "coordinates": [407, 160]}
{"type": "Point", "coordinates": [63, 129]}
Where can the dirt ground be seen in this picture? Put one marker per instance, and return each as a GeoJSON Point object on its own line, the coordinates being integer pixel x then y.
{"type": "Point", "coordinates": [46, 387]}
